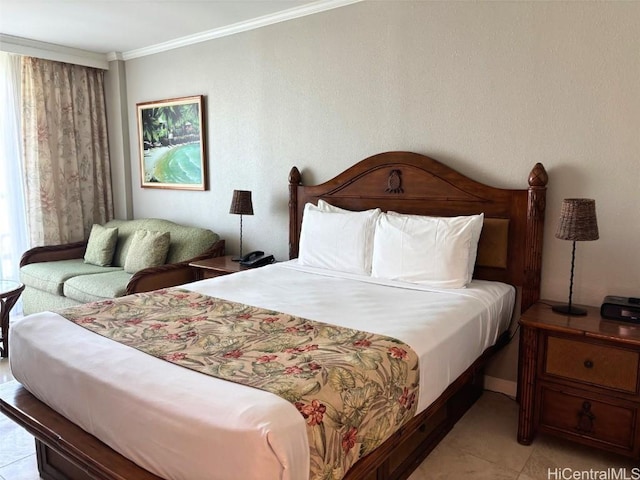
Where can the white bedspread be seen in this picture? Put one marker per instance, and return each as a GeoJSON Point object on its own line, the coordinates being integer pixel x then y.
{"type": "Point", "coordinates": [180, 424]}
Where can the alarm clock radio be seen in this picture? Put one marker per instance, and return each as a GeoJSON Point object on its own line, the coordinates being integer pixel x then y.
{"type": "Point", "coordinates": [624, 309]}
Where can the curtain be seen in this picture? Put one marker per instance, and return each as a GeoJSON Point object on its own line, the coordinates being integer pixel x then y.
{"type": "Point", "coordinates": [13, 227]}
{"type": "Point", "coordinates": [66, 154]}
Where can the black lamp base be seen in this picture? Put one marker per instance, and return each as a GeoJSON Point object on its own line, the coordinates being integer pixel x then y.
{"type": "Point", "coordinates": [569, 310]}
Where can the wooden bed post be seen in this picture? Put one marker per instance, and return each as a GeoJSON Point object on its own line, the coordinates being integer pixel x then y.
{"type": "Point", "coordinates": [295, 180]}
{"type": "Point", "coordinates": [536, 203]}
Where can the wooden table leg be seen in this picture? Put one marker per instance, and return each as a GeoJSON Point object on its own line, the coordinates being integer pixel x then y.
{"type": "Point", "coordinates": [528, 353]}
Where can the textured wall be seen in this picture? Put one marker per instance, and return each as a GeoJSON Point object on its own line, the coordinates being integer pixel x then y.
{"type": "Point", "coordinates": [490, 88]}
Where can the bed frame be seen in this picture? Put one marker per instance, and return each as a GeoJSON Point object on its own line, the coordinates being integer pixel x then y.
{"type": "Point", "coordinates": [510, 251]}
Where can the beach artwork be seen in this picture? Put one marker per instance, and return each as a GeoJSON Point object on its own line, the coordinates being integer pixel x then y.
{"type": "Point", "coordinates": [171, 136]}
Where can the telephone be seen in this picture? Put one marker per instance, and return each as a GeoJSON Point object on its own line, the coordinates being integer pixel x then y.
{"type": "Point", "coordinates": [256, 258]}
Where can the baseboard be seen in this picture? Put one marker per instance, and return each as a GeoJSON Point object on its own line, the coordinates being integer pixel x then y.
{"type": "Point", "coordinates": [500, 385]}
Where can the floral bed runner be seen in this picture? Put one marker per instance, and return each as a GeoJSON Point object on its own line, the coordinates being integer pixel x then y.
{"type": "Point", "coordinates": [353, 388]}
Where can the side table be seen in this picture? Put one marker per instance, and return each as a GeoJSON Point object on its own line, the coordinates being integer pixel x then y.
{"type": "Point", "coordinates": [216, 267]}
{"type": "Point", "coordinates": [580, 379]}
{"type": "Point", "coordinates": [9, 294]}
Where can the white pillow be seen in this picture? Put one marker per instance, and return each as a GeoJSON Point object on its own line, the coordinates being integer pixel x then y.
{"type": "Point", "coordinates": [327, 207]}
{"type": "Point", "coordinates": [477, 223]}
{"type": "Point", "coordinates": [435, 251]}
{"type": "Point", "coordinates": [340, 241]}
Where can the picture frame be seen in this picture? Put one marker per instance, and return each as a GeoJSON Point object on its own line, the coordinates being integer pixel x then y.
{"type": "Point", "coordinates": [171, 137]}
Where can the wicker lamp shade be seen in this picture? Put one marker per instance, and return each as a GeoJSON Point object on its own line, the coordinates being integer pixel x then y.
{"type": "Point", "coordinates": [577, 223]}
{"type": "Point", "coordinates": [241, 203]}
{"type": "Point", "coordinates": [578, 220]}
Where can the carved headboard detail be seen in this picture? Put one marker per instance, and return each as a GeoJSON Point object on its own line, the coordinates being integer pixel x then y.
{"type": "Point", "coordinates": [510, 248]}
{"type": "Point", "coordinates": [394, 182]}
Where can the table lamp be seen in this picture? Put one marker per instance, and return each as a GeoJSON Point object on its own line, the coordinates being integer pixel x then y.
{"type": "Point", "coordinates": [241, 205]}
{"type": "Point", "coordinates": [577, 223]}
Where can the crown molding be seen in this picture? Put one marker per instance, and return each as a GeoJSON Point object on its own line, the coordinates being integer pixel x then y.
{"type": "Point", "coordinates": [113, 56]}
{"type": "Point", "coordinates": [51, 51]}
{"type": "Point", "coordinates": [283, 16]}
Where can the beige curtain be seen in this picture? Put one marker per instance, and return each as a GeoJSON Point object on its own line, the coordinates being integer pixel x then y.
{"type": "Point", "coordinates": [66, 153]}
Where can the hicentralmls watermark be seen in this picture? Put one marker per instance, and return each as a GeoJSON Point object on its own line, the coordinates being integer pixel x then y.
{"type": "Point", "coordinates": [592, 474]}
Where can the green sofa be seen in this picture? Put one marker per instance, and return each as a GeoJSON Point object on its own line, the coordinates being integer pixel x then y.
{"type": "Point", "coordinates": [57, 276]}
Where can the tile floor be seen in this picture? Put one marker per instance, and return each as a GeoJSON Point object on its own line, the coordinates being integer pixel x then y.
{"type": "Point", "coordinates": [481, 446]}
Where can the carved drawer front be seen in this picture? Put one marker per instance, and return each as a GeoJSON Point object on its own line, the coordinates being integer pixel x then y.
{"type": "Point", "coordinates": [412, 442]}
{"type": "Point", "coordinates": [581, 416]}
{"type": "Point", "coordinates": [595, 364]}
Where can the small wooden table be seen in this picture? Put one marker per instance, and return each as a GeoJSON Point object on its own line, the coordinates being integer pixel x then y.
{"type": "Point", "coordinates": [9, 294]}
{"type": "Point", "coordinates": [216, 267]}
{"type": "Point", "coordinates": [580, 379]}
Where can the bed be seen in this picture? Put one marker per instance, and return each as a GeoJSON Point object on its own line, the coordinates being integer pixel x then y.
{"type": "Point", "coordinates": [509, 251]}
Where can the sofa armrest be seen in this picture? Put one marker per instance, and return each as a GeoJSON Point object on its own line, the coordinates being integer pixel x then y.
{"type": "Point", "coordinates": [163, 276]}
{"type": "Point", "coordinates": [171, 274]}
{"type": "Point", "coordinates": [52, 253]}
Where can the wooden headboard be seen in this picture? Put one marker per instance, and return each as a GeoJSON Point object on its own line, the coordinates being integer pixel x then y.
{"type": "Point", "coordinates": [510, 248]}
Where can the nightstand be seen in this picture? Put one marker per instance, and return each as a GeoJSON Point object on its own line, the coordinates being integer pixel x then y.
{"type": "Point", "coordinates": [216, 267]}
{"type": "Point", "coordinates": [579, 378]}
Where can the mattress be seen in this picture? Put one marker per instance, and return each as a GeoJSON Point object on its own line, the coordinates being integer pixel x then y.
{"type": "Point", "coordinates": [180, 424]}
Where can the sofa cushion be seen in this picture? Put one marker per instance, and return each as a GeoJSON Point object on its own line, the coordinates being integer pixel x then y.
{"type": "Point", "coordinates": [148, 249]}
{"type": "Point", "coordinates": [126, 229]}
{"type": "Point", "coordinates": [186, 242]}
{"type": "Point", "coordinates": [91, 288]}
{"type": "Point", "coordinates": [50, 276]}
{"type": "Point", "coordinates": [101, 245]}
{"type": "Point", "coordinates": [34, 300]}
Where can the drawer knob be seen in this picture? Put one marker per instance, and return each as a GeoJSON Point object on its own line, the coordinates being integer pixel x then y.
{"type": "Point", "coordinates": [585, 418]}
{"type": "Point", "coordinates": [588, 364]}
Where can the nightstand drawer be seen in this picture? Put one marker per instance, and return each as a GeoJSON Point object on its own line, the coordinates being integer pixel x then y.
{"type": "Point", "coordinates": [601, 365]}
{"type": "Point", "coordinates": [581, 416]}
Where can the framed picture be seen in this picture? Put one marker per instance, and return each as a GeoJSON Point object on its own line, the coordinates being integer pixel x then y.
{"type": "Point", "coordinates": [171, 136]}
